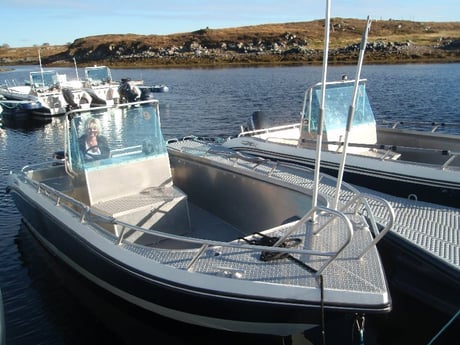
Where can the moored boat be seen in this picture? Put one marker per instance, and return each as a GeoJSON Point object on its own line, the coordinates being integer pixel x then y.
{"type": "Point", "coordinates": [200, 234]}
{"type": "Point", "coordinates": [132, 91]}
{"type": "Point", "coordinates": [100, 86]}
{"type": "Point", "coordinates": [154, 88]}
{"type": "Point", "coordinates": [412, 164]}
{"type": "Point", "coordinates": [415, 164]}
{"type": "Point", "coordinates": [47, 93]}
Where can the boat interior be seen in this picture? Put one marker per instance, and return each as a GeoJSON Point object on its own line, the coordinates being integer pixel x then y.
{"type": "Point", "coordinates": [139, 184]}
{"type": "Point", "coordinates": [197, 200]}
{"type": "Point", "coordinates": [141, 194]}
{"type": "Point", "coordinates": [211, 210]}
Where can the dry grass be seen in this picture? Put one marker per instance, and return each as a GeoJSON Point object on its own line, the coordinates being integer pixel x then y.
{"type": "Point", "coordinates": [344, 31]}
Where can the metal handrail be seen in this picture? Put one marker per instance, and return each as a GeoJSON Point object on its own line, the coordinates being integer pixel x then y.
{"type": "Point", "coordinates": [388, 149]}
{"type": "Point", "coordinates": [435, 125]}
{"type": "Point", "coordinates": [92, 216]}
{"type": "Point", "coordinates": [268, 130]}
{"type": "Point", "coordinates": [361, 199]}
{"type": "Point", "coordinates": [453, 156]}
{"type": "Point", "coordinates": [313, 215]}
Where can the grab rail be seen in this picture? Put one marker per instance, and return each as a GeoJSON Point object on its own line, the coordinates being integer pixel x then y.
{"type": "Point", "coordinates": [359, 199]}
{"type": "Point", "coordinates": [268, 130]}
{"type": "Point", "coordinates": [95, 217]}
{"type": "Point", "coordinates": [391, 149]}
{"type": "Point", "coordinates": [313, 214]}
{"type": "Point", "coordinates": [434, 125]}
{"type": "Point", "coordinates": [453, 156]}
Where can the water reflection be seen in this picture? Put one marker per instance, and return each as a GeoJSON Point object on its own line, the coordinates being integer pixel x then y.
{"type": "Point", "coordinates": [45, 303]}
{"type": "Point", "coordinates": [21, 121]}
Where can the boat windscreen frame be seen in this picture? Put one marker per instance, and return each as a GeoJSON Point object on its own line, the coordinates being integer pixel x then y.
{"type": "Point", "coordinates": [98, 75]}
{"type": "Point", "coordinates": [148, 142]}
{"type": "Point", "coordinates": [43, 79]}
{"type": "Point", "coordinates": [338, 95]}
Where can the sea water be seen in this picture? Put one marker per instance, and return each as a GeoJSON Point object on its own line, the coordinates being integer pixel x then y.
{"type": "Point", "coordinates": [47, 303]}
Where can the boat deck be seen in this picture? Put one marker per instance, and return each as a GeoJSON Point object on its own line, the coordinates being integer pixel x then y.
{"type": "Point", "coordinates": [293, 274]}
{"type": "Point", "coordinates": [352, 278]}
{"type": "Point", "coordinates": [432, 228]}
{"type": "Point", "coordinates": [244, 263]}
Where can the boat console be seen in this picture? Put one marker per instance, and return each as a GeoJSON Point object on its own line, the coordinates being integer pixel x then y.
{"type": "Point", "coordinates": [126, 176]}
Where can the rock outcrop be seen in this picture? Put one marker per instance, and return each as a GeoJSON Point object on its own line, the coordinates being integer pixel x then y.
{"type": "Point", "coordinates": [389, 42]}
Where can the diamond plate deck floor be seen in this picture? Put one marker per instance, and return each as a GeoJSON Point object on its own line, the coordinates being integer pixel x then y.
{"type": "Point", "coordinates": [432, 228]}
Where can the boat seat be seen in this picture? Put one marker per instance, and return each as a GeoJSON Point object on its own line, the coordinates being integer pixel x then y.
{"type": "Point", "coordinates": [162, 209]}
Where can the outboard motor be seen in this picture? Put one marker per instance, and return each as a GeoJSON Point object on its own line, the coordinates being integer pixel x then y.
{"type": "Point", "coordinates": [68, 96]}
{"type": "Point", "coordinates": [258, 120]}
{"type": "Point", "coordinates": [96, 101]}
{"type": "Point", "coordinates": [128, 91]}
{"type": "Point", "coordinates": [147, 94]}
{"type": "Point", "coordinates": [85, 98]}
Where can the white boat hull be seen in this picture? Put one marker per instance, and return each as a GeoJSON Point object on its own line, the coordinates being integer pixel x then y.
{"type": "Point", "coordinates": [394, 177]}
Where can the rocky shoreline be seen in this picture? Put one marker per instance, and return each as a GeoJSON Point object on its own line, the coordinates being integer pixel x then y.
{"type": "Point", "coordinates": [197, 54]}
{"type": "Point", "coordinates": [291, 43]}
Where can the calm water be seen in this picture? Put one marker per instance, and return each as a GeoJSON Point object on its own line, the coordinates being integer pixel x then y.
{"type": "Point", "coordinates": [45, 303]}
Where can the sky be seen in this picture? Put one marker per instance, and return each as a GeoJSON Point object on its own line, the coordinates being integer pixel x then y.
{"type": "Point", "coordinates": [27, 23]}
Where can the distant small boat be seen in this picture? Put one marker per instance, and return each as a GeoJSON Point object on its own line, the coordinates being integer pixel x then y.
{"type": "Point", "coordinates": [46, 94]}
{"type": "Point", "coordinates": [155, 88]}
{"type": "Point", "coordinates": [100, 86]}
{"type": "Point", "coordinates": [132, 91]}
{"type": "Point", "coordinates": [19, 106]}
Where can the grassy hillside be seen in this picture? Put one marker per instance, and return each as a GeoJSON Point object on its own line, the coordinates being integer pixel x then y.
{"type": "Point", "coordinates": [290, 42]}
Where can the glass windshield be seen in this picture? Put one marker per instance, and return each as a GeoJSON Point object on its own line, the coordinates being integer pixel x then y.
{"type": "Point", "coordinates": [45, 79]}
{"type": "Point", "coordinates": [98, 75]}
{"type": "Point", "coordinates": [338, 100]}
{"type": "Point", "coordinates": [115, 136]}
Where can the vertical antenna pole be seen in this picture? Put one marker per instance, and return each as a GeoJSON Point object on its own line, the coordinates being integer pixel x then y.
{"type": "Point", "coordinates": [319, 135]}
{"type": "Point", "coordinates": [351, 113]}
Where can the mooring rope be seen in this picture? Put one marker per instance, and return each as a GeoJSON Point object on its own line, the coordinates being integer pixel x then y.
{"type": "Point", "coordinates": [444, 328]}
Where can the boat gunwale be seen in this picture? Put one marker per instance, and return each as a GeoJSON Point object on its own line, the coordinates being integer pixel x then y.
{"type": "Point", "coordinates": [87, 213]}
{"type": "Point", "coordinates": [333, 299]}
{"type": "Point", "coordinates": [358, 196]}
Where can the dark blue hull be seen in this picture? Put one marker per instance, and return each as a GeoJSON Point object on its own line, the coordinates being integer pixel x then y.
{"type": "Point", "coordinates": [395, 184]}
{"type": "Point", "coordinates": [417, 274]}
{"type": "Point", "coordinates": [165, 297]}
